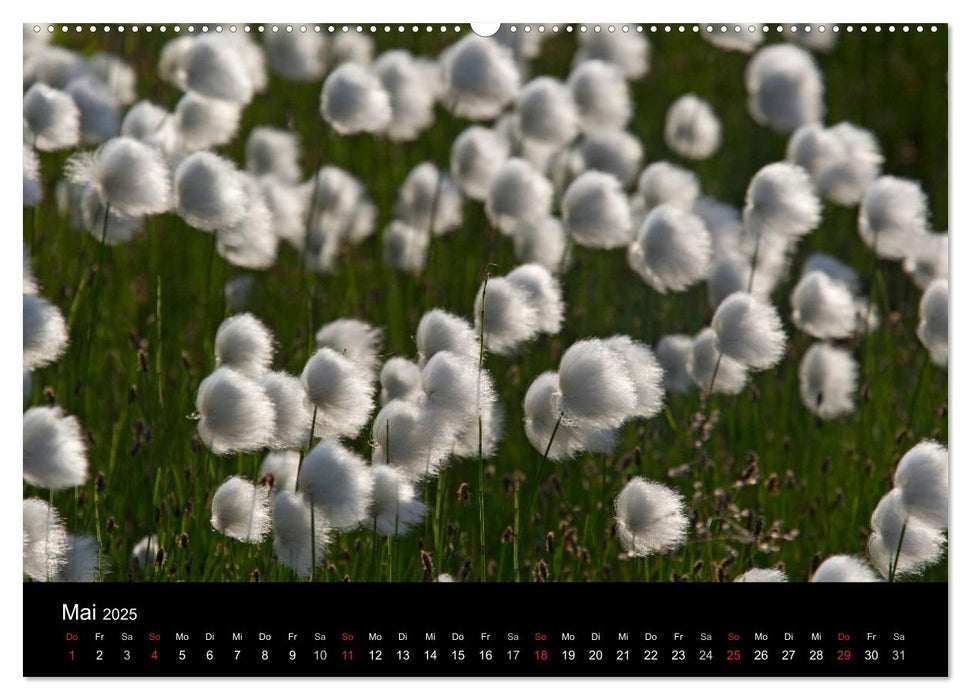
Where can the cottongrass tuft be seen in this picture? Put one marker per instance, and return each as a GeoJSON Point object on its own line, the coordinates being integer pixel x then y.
{"type": "Point", "coordinates": [922, 479]}
{"type": "Point", "coordinates": [412, 100]}
{"type": "Point", "coordinates": [45, 540]}
{"type": "Point", "coordinates": [144, 554]}
{"type": "Point", "coordinates": [411, 437]}
{"type": "Point", "coordinates": [547, 113]}
{"type": "Point", "coordinates": [691, 128]}
{"type": "Point", "coordinates": [291, 410]}
{"type": "Point", "coordinates": [780, 201]}
{"type": "Point", "coordinates": [543, 242]}
{"type": "Point", "coordinates": [282, 466]}
{"type": "Point", "coordinates": [45, 333]}
{"type": "Point", "coordinates": [644, 370]}
{"type": "Point", "coordinates": [204, 122]}
{"type": "Point", "coordinates": [664, 183]}
{"type": "Point", "coordinates": [749, 331]}
{"type": "Point", "coordinates": [823, 307]}
{"type": "Point", "coordinates": [245, 344]}
{"type": "Point", "coordinates": [210, 193]}
{"type": "Point", "coordinates": [595, 211]}
{"type": "Point", "coordinates": [650, 518]}
{"type": "Point", "coordinates": [273, 152]}
{"type": "Point", "coordinates": [439, 330]}
{"type": "Point", "coordinates": [55, 455]}
{"type": "Point", "coordinates": [340, 391]}
{"type": "Point", "coordinates": [214, 69]}
{"type": "Point", "coordinates": [241, 510]}
{"type": "Point", "coordinates": [601, 95]}
{"type": "Point", "coordinates": [901, 544]}
{"type": "Point", "coordinates": [731, 376]}
{"type": "Point", "coordinates": [672, 249]}
{"type": "Point", "coordinates": [518, 193]}
{"type": "Point", "coordinates": [762, 576]}
{"type": "Point", "coordinates": [99, 109]}
{"type": "Point", "coordinates": [52, 121]}
{"type": "Point", "coordinates": [616, 152]}
{"type": "Point", "coordinates": [455, 387]}
{"type": "Point", "coordinates": [131, 177]}
{"type": "Point", "coordinates": [251, 243]}
{"type": "Point", "coordinates": [827, 380]}
{"type": "Point", "coordinates": [672, 353]}
{"type": "Point", "coordinates": [844, 568]}
{"type": "Point", "coordinates": [235, 414]}
{"type": "Point", "coordinates": [929, 260]}
{"type": "Point", "coordinates": [395, 507]}
{"type": "Point", "coordinates": [300, 537]}
{"type": "Point", "coordinates": [595, 386]}
{"type": "Point", "coordinates": [743, 41]}
{"type": "Point", "coordinates": [893, 217]}
{"type": "Point", "coordinates": [541, 416]}
{"type": "Point", "coordinates": [785, 87]}
{"type": "Point", "coordinates": [400, 379]}
{"type": "Point", "coordinates": [358, 341]}
{"type": "Point", "coordinates": [296, 56]}
{"type": "Point", "coordinates": [32, 184]}
{"type": "Point", "coordinates": [405, 247]}
{"type": "Point", "coordinates": [843, 160]}
{"type": "Point", "coordinates": [509, 318]}
{"type": "Point", "coordinates": [353, 100]}
{"type": "Point", "coordinates": [82, 562]}
{"type": "Point", "coordinates": [543, 292]}
{"type": "Point", "coordinates": [481, 77]}
{"type": "Point", "coordinates": [337, 483]}
{"type": "Point", "coordinates": [426, 188]}
{"type": "Point", "coordinates": [932, 329]}
{"type": "Point", "coordinates": [629, 51]}
{"type": "Point", "coordinates": [475, 157]}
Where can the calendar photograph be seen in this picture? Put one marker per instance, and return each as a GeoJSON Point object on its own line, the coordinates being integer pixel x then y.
{"type": "Point", "coordinates": [393, 305]}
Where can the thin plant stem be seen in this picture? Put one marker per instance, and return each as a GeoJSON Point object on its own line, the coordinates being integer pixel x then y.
{"type": "Point", "coordinates": [96, 299]}
{"type": "Point", "coordinates": [896, 556]}
{"type": "Point", "coordinates": [303, 455]}
{"type": "Point", "coordinates": [478, 402]}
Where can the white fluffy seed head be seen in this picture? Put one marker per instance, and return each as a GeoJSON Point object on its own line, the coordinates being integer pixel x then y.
{"type": "Point", "coordinates": [337, 483]}
{"type": "Point", "coordinates": [467, 442]}
{"type": "Point", "coordinates": [644, 370]}
{"type": "Point", "coordinates": [724, 224]}
{"type": "Point", "coordinates": [119, 229]}
{"type": "Point", "coordinates": [99, 109]}
{"type": "Point", "coordinates": [297, 56]}
{"type": "Point", "coordinates": [214, 69]}
{"type": "Point", "coordinates": [204, 122]}
{"type": "Point", "coordinates": [412, 100]}
{"type": "Point", "coordinates": [245, 344]}
{"type": "Point", "coordinates": [45, 541]}
{"type": "Point", "coordinates": [762, 576]}
{"type": "Point", "coordinates": [282, 467]}
{"type": "Point", "coordinates": [210, 193]}
{"type": "Point", "coordinates": [481, 77]}
{"type": "Point", "coordinates": [780, 201]}
{"type": "Point", "coordinates": [922, 479]}
{"type": "Point", "coordinates": [439, 330]}
{"type": "Point", "coordinates": [929, 260]}
{"type": "Point", "coordinates": [291, 410]}
{"type": "Point", "coordinates": [541, 414]}
{"type": "Point", "coordinates": [130, 176]}
{"type": "Point", "coordinates": [32, 185]}
{"type": "Point", "coordinates": [45, 332]}
{"type": "Point", "coordinates": [300, 535]}
{"type": "Point", "coordinates": [417, 197]}
{"type": "Point", "coordinates": [153, 126]}
{"type": "Point", "coordinates": [731, 376]}
{"type": "Point", "coordinates": [833, 268]}
{"type": "Point", "coordinates": [52, 121]}
{"type": "Point", "coordinates": [542, 242]}
{"type": "Point", "coordinates": [395, 507]}
{"type": "Point", "coordinates": [251, 243]}
{"type": "Point", "coordinates": [743, 41]}
{"type": "Point", "coordinates": [547, 113]}
{"type": "Point", "coordinates": [241, 510]}
{"type": "Point", "coordinates": [691, 128]}
{"type": "Point", "coordinates": [595, 386]}
{"type": "Point", "coordinates": [673, 352]}
{"type": "Point", "coordinates": [411, 437]}
{"type": "Point", "coordinates": [901, 544]}
{"type": "Point", "coordinates": [400, 379]}
{"type": "Point", "coordinates": [785, 87]}
{"type": "Point", "coordinates": [405, 247]}
{"type": "Point", "coordinates": [475, 157]}
{"type": "Point", "coordinates": [353, 100]}
{"type": "Point", "coordinates": [823, 307]}
{"type": "Point", "coordinates": [827, 380]}
{"type": "Point", "coordinates": [145, 553]}
{"type": "Point", "coordinates": [844, 568]}
{"type": "Point", "coordinates": [749, 331]}
{"type": "Point", "coordinates": [650, 518]}
{"type": "Point", "coordinates": [601, 95]}
{"type": "Point", "coordinates": [616, 152]}
{"type": "Point", "coordinates": [672, 249]}
{"type": "Point", "coordinates": [893, 217]}
{"type": "Point", "coordinates": [843, 159]}
{"type": "Point", "coordinates": [55, 456]}
{"type": "Point", "coordinates": [595, 211]}
{"type": "Point", "coordinates": [543, 292]}
{"type": "Point", "coordinates": [933, 326]}
{"type": "Point", "coordinates": [505, 315]}
{"type": "Point", "coordinates": [235, 414]}
{"type": "Point", "coordinates": [664, 183]}
{"type": "Point", "coordinates": [53, 65]}
{"type": "Point", "coordinates": [518, 193]}
{"type": "Point", "coordinates": [629, 51]}
{"type": "Point", "coordinates": [358, 341]}
{"type": "Point", "coordinates": [273, 152]}
{"type": "Point", "coordinates": [454, 386]}
{"type": "Point", "coordinates": [82, 561]}
{"type": "Point", "coordinates": [340, 391]}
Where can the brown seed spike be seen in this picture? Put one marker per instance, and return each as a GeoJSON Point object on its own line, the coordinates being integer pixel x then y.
{"type": "Point", "coordinates": [549, 542]}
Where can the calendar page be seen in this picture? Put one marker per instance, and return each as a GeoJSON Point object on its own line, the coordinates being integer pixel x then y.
{"type": "Point", "coordinates": [371, 350]}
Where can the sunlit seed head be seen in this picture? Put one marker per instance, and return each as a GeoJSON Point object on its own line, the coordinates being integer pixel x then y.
{"type": "Point", "coordinates": [400, 379]}
{"type": "Point", "coordinates": [99, 109]}
{"type": "Point", "coordinates": [405, 247]}
{"type": "Point", "coordinates": [395, 507]}
{"type": "Point", "coordinates": [544, 293]}
{"type": "Point", "coordinates": [731, 376]}
{"type": "Point", "coordinates": [922, 477]}
{"type": "Point", "coordinates": [410, 437]}
{"type": "Point", "coordinates": [762, 576]}
{"type": "Point", "coordinates": [273, 152]}
{"type": "Point", "coordinates": [353, 100]}
{"type": "Point", "coordinates": [55, 455]}
{"type": "Point", "coordinates": [932, 329]}
{"type": "Point", "coordinates": [235, 413]}
{"type": "Point", "coordinates": [214, 69]}
{"type": "Point", "coordinates": [439, 330]}
{"type": "Point", "coordinates": [241, 510]}
{"type": "Point", "coordinates": [543, 242]}
{"type": "Point", "coordinates": [644, 370]}
{"type": "Point", "coordinates": [893, 217]}
{"type": "Point", "coordinates": [210, 193]}
{"type": "Point", "coordinates": [673, 352]}
{"type": "Point", "coordinates": [296, 56]}
{"type": "Point", "coordinates": [601, 95]}
{"type": "Point", "coordinates": [341, 392]}
{"type": "Point", "coordinates": [518, 193]}
{"type": "Point", "coordinates": [650, 518]}
{"type": "Point", "coordinates": [476, 155]}
{"type": "Point", "coordinates": [144, 553]}
{"type": "Point", "coordinates": [844, 568]}
{"type": "Point", "coordinates": [929, 260]}
{"type": "Point", "coordinates": [480, 77]}
{"type": "Point", "coordinates": [130, 176]}
{"type": "Point", "coordinates": [45, 332]}
{"type": "Point", "coordinates": [547, 113]}
{"type": "Point", "coordinates": [823, 307]}
{"type": "Point", "coordinates": [45, 540]}
{"type": "Point", "coordinates": [83, 563]}
{"type": "Point", "coordinates": [749, 331]}
{"type": "Point", "coordinates": [781, 202]}
{"type": "Point", "coordinates": [337, 482]}
{"type": "Point", "coordinates": [291, 410]}
{"type": "Point", "coordinates": [671, 250]}
{"type": "Point", "coordinates": [412, 99]}
{"type": "Point", "coordinates": [827, 380]}
{"type": "Point", "coordinates": [595, 386]}
{"type": "Point", "coordinates": [300, 537]}
{"type": "Point", "coordinates": [785, 87]}
{"type": "Point", "coordinates": [282, 466]}
{"type": "Point", "coordinates": [52, 121]}
{"type": "Point", "coordinates": [595, 211]}
{"type": "Point", "coordinates": [691, 128]}
{"type": "Point", "coordinates": [664, 183]}
{"type": "Point", "coordinates": [505, 316]}
{"type": "Point", "coordinates": [629, 51]}
{"type": "Point", "coordinates": [901, 543]}
{"type": "Point", "coordinates": [427, 188]}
